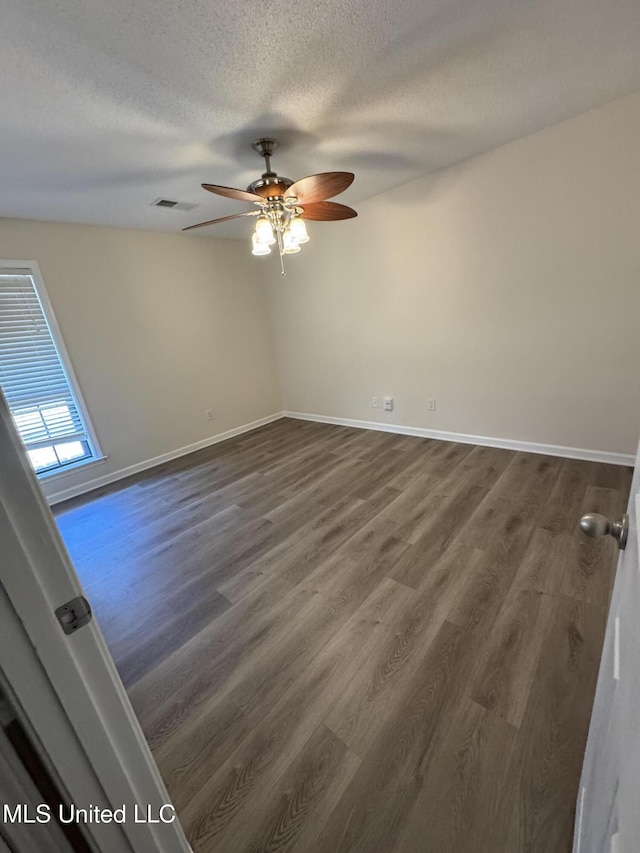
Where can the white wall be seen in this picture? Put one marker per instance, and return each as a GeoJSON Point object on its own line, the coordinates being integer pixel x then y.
{"type": "Point", "coordinates": [159, 328]}
{"type": "Point", "coordinates": [507, 287]}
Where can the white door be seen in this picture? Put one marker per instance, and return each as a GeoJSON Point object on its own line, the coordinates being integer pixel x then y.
{"type": "Point", "coordinates": [608, 811]}
{"type": "Point", "coordinates": [66, 685]}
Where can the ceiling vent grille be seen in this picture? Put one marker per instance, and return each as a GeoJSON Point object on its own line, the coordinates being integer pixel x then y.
{"type": "Point", "coordinates": [175, 205]}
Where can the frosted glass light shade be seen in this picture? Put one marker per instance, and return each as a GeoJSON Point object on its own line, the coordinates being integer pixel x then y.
{"type": "Point", "coordinates": [259, 248]}
{"type": "Point", "coordinates": [264, 232]}
{"type": "Point", "coordinates": [298, 230]}
{"type": "Point", "coordinates": [289, 243]}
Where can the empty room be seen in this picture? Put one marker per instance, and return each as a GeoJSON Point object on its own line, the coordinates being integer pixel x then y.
{"type": "Point", "coordinates": [319, 357]}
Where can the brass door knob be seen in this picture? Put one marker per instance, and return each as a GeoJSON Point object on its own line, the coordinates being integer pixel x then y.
{"type": "Point", "coordinates": [597, 526]}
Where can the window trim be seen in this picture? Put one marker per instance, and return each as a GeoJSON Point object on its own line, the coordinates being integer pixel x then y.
{"type": "Point", "coordinates": [31, 268]}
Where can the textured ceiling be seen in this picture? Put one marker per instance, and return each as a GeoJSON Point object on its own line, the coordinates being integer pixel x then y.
{"type": "Point", "coordinates": [108, 105]}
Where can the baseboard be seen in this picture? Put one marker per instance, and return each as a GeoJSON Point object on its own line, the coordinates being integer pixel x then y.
{"type": "Point", "coordinates": [114, 476]}
{"type": "Point", "coordinates": [607, 456]}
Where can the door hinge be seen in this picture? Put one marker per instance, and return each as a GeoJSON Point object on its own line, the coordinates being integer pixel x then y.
{"type": "Point", "coordinates": [74, 614]}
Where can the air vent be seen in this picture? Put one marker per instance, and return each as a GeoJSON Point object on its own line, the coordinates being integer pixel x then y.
{"type": "Point", "coordinates": [176, 205]}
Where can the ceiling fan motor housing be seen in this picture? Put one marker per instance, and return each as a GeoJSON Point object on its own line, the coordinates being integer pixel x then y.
{"type": "Point", "coordinates": [270, 185]}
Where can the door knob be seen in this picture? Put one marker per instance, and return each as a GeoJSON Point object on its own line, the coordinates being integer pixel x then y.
{"type": "Point", "coordinates": [596, 525]}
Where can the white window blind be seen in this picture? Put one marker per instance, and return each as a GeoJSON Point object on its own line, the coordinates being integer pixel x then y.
{"type": "Point", "coordinates": [34, 379]}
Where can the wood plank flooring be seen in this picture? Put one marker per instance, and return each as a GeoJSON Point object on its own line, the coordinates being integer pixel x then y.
{"type": "Point", "coordinates": [342, 640]}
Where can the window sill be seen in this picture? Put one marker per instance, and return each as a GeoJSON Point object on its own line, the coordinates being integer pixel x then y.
{"type": "Point", "coordinates": [73, 468]}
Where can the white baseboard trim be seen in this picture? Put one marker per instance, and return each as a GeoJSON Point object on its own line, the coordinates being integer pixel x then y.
{"type": "Point", "coordinates": [114, 476]}
{"type": "Point", "coordinates": [607, 456]}
{"type": "Point", "coordinates": [610, 457]}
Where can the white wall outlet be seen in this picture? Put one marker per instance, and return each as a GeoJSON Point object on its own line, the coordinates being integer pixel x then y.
{"type": "Point", "coordinates": [209, 414]}
{"type": "Point", "coordinates": [388, 404]}
{"type": "Point", "coordinates": [431, 405]}
{"type": "Point", "coordinates": [375, 402]}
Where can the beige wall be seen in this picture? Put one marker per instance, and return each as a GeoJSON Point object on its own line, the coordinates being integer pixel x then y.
{"type": "Point", "coordinates": [159, 329]}
{"type": "Point", "coordinates": [507, 287]}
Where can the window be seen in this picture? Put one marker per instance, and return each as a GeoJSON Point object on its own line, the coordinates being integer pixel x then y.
{"type": "Point", "coordinates": [36, 376]}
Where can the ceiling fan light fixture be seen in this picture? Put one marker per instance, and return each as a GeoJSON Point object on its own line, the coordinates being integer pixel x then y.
{"type": "Point", "coordinates": [264, 232]}
{"type": "Point", "coordinates": [298, 230]}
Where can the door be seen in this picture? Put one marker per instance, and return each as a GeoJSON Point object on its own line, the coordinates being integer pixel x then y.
{"type": "Point", "coordinates": [65, 685]}
{"type": "Point", "coordinates": [607, 814]}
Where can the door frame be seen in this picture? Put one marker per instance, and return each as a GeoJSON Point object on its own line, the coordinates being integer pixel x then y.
{"type": "Point", "coordinates": [17, 787]}
{"type": "Point", "coordinates": [66, 686]}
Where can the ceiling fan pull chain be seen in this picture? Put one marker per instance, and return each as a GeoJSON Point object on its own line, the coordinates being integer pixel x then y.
{"type": "Point", "coordinates": [281, 250]}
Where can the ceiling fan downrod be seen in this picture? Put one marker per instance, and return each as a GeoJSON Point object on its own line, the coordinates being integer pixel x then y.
{"type": "Point", "coordinates": [265, 148]}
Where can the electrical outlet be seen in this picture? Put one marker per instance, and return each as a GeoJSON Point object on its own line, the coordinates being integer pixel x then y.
{"type": "Point", "coordinates": [375, 402]}
{"type": "Point", "coordinates": [431, 405]}
{"type": "Point", "coordinates": [209, 414]}
{"type": "Point", "coordinates": [388, 404]}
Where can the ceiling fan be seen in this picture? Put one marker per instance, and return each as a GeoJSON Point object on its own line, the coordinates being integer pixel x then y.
{"type": "Point", "coordinates": [282, 205]}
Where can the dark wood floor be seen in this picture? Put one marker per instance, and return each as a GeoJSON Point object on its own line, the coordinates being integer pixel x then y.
{"type": "Point", "coordinates": [342, 640]}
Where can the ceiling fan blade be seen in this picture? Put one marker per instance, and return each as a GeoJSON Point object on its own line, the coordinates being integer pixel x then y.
{"type": "Point", "coordinates": [319, 187]}
{"type": "Point", "coordinates": [326, 211]}
{"type": "Point", "coordinates": [230, 192]}
{"type": "Point", "coordinates": [222, 219]}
